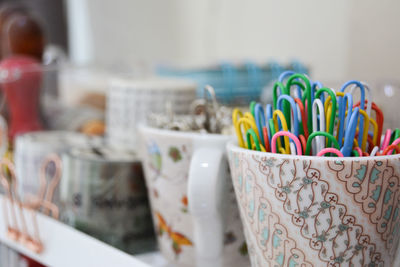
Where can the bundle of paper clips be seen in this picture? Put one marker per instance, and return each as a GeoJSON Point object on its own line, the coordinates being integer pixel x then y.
{"type": "Point", "coordinates": [206, 115]}
{"type": "Point", "coordinates": [19, 228]}
{"type": "Point", "coordinates": [309, 119]}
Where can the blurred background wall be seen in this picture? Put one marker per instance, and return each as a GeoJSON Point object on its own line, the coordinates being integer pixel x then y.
{"type": "Point", "coordinates": [338, 39]}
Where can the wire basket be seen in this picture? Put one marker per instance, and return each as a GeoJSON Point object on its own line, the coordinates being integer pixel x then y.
{"type": "Point", "coordinates": [234, 84]}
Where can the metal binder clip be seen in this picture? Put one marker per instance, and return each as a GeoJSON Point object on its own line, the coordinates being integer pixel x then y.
{"type": "Point", "coordinates": [210, 111]}
{"type": "Point", "coordinates": [9, 204]}
{"type": "Point", "coordinates": [16, 233]}
{"type": "Point", "coordinates": [43, 201]}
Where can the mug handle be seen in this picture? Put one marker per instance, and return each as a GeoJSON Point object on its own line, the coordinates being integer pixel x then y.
{"type": "Point", "coordinates": [205, 190]}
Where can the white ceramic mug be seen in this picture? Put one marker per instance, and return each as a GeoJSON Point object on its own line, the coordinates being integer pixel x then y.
{"type": "Point", "coordinates": [318, 211]}
{"type": "Point", "coordinates": [192, 199]}
{"type": "Point", "coordinates": [130, 101]}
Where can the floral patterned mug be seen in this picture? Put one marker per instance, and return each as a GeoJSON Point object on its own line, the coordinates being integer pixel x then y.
{"type": "Point", "coordinates": [192, 199]}
{"type": "Point", "coordinates": [317, 211]}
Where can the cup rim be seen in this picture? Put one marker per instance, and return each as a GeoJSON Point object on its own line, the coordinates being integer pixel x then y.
{"type": "Point", "coordinates": [197, 135]}
{"type": "Point", "coordinates": [86, 154]}
{"type": "Point", "coordinates": [233, 146]}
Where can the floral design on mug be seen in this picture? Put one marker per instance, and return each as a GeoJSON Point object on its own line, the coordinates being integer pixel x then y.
{"type": "Point", "coordinates": [168, 189]}
{"type": "Point", "coordinates": [278, 249]}
{"type": "Point", "coordinates": [178, 239]}
{"type": "Point", "coordinates": [317, 211]}
{"type": "Point", "coordinates": [175, 154]}
{"type": "Point", "coordinates": [243, 249]}
{"type": "Point", "coordinates": [374, 186]}
{"type": "Point", "coordinates": [184, 201]}
{"type": "Point", "coordinates": [155, 193]}
{"type": "Point", "coordinates": [155, 157]}
{"type": "Point", "coordinates": [158, 160]}
{"type": "Point", "coordinates": [229, 238]}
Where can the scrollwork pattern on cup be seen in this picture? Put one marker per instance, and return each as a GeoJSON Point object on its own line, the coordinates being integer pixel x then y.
{"type": "Point", "coordinates": [374, 186]}
{"type": "Point", "coordinates": [278, 249]}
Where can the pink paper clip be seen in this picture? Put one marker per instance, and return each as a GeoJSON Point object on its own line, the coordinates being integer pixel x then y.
{"type": "Point", "coordinates": [386, 139]}
{"type": "Point", "coordinates": [329, 150]}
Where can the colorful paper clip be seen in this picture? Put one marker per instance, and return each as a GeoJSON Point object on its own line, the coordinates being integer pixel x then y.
{"type": "Point", "coordinates": [316, 120]}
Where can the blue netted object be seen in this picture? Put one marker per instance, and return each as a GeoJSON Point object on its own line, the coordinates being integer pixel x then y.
{"type": "Point", "coordinates": [234, 84]}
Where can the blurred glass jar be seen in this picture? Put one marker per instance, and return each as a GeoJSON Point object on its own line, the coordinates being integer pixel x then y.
{"type": "Point", "coordinates": [83, 86]}
{"type": "Point", "coordinates": [80, 101]}
{"type": "Point", "coordinates": [104, 194]}
{"type": "Point", "coordinates": [31, 149]}
{"type": "Point", "coordinates": [31, 99]}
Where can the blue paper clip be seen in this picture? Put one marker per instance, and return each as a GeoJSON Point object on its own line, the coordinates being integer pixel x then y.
{"type": "Point", "coordinates": [350, 133]}
{"type": "Point", "coordinates": [314, 87]}
{"type": "Point", "coordinates": [342, 115]}
{"type": "Point", "coordinates": [259, 117]}
{"type": "Point", "coordinates": [294, 126]}
{"type": "Point", "coordinates": [268, 111]}
{"type": "Point", "coordinates": [287, 74]}
{"type": "Point", "coordinates": [362, 104]}
{"type": "Point", "coordinates": [368, 97]}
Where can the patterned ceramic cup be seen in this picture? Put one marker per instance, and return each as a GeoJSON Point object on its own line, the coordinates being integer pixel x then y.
{"type": "Point", "coordinates": [309, 211]}
{"type": "Point", "coordinates": [192, 200]}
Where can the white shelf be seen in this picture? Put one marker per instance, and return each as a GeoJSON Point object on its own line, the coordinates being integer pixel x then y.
{"type": "Point", "coordinates": [154, 259]}
{"type": "Point", "coordinates": [65, 247]}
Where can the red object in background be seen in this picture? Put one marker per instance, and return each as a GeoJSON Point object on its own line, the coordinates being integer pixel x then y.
{"type": "Point", "coordinates": [7, 10]}
{"type": "Point", "coordinates": [32, 263]}
{"type": "Point", "coordinates": [22, 35]}
{"type": "Point", "coordinates": [21, 85]}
